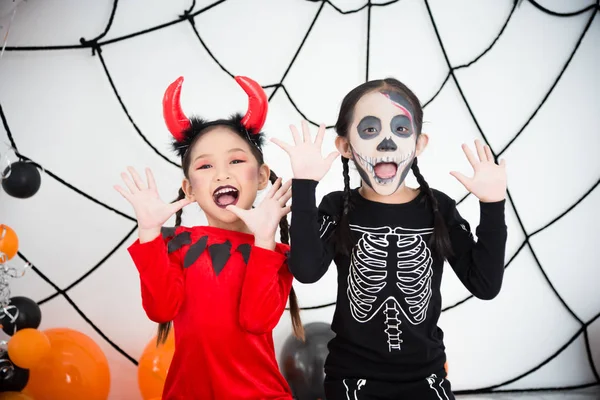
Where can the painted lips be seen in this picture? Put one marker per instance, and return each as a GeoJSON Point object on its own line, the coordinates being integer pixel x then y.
{"type": "Point", "coordinates": [225, 196]}
{"type": "Point", "coordinates": [384, 169]}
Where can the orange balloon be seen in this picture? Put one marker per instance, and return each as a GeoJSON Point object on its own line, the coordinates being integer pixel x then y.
{"type": "Point", "coordinates": [9, 243]}
{"type": "Point", "coordinates": [14, 396]}
{"type": "Point", "coordinates": [153, 367]}
{"type": "Point", "coordinates": [27, 347]}
{"type": "Point", "coordinates": [75, 368]}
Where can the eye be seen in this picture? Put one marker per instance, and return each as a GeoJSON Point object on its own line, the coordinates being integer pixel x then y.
{"type": "Point", "coordinates": [237, 161]}
{"type": "Point", "coordinates": [402, 129]}
{"type": "Point", "coordinates": [370, 130]}
{"type": "Point", "coordinates": [204, 166]}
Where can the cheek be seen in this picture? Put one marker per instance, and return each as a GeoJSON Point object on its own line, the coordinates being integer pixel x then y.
{"type": "Point", "coordinates": [248, 174]}
{"type": "Point", "coordinates": [199, 182]}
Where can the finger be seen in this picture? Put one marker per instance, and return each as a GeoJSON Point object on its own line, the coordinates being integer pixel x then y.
{"type": "Point", "coordinates": [151, 181]}
{"type": "Point", "coordinates": [285, 198]}
{"type": "Point", "coordinates": [331, 157]}
{"type": "Point", "coordinates": [283, 145]}
{"type": "Point", "coordinates": [129, 183]}
{"type": "Point", "coordinates": [503, 163]}
{"type": "Point", "coordinates": [123, 192]}
{"type": "Point", "coordinates": [462, 179]}
{"type": "Point", "coordinates": [179, 204]}
{"type": "Point", "coordinates": [470, 155]}
{"type": "Point", "coordinates": [320, 135]}
{"type": "Point", "coordinates": [488, 153]}
{"type": "Point", "coordinates": [295, 135]}
{"type": "Point", "coordinates": [306, 131]}
{"type": "Point", "coordinates": [274, 188]}
{"type": "Point", "coordinates": [136, 178]}
{"type": "Point", "coordinates": [240, 212]}
{"type": "Point", "coordinates": [285, 210]}
{"type": "Point", "coordinates": [480, 151]}
{"type": "Point", "coordinates": [283, 190]}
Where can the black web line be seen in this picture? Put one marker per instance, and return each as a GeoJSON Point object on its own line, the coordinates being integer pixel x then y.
{"type": "Point", "coordinates": [77, 309]}
{"type": "Point", "coordinates": [188, 15]}
{"type": "Point", "coordinates": [580, 331]}
{"type": "Point", "coordinates": [508, 194]}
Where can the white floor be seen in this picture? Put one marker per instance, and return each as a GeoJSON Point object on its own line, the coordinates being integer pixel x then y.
{"type": "Point", "coordinates": [584, 394]}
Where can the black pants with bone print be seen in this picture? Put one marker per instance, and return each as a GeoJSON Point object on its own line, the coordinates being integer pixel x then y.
{"type": "Point", "coordinates": [431, 388]}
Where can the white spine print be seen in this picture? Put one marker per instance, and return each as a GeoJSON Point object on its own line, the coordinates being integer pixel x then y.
{"type": "Point", "coordinates": [438, 389]}
{"type": "Point", "coordinates": [377, 251]}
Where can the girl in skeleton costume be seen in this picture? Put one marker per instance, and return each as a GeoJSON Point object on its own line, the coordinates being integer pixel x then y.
{"type": "Point", "coordinates": [225, 285]}
{"type": "Point", "coordinates": [389, 243]}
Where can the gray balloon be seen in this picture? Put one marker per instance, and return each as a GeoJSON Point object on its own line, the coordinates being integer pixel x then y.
{"type": "Point", "coordinates": [303, 364]}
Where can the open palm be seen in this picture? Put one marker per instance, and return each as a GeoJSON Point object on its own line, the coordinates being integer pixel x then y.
{"type": "Point", "coordinates": [489, 180]}
{"type": "Point", "coordinates": [151, 212]}
{"type": "Point", "coordinates": [264, 219]}
{"type": "Point", "coordinates": [306, 158]}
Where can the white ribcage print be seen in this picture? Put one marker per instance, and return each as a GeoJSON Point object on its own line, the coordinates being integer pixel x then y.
{"type": "Point", "coordinates": [390, 270]}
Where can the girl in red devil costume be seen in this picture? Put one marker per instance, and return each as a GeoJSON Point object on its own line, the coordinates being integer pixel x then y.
{"type": "Point", "coordinates": [224, 285]}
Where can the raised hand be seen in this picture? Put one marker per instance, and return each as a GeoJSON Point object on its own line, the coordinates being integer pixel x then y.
{"type": "Point", "coordinates": [489, 180]}
{"type": "Point", "coordinates": [305, 156]}
{"type": "Point", "coordinates": [264, 219]}
{"type": "Point", "coordinates": [151, 212]}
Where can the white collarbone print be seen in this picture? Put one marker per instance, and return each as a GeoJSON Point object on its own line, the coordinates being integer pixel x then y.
{"type": "Point", "coordinates": [390, 271]}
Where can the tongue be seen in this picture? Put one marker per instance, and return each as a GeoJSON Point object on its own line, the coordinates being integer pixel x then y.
{"type": "Point", "coordinates": [385, 170]}
{"type": "Point", "coordinates": [225, 199]}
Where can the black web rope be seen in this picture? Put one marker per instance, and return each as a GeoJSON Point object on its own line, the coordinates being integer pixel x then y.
{"type": "Point", "coordinates": [97, 43]}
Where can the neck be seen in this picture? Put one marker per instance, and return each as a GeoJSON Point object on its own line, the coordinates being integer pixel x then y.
{"type": "Point", "coordinates": [404, 194]}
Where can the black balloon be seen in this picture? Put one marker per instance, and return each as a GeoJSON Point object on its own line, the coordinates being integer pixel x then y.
{"type": "Point", "coordinates": [303, 363]}
{"type": "Point", "coordinates": [29, 315]}
{"type": "Point", "coordinates": [24, 180]}
{"type": "Point", "coordinates": [12, 378]}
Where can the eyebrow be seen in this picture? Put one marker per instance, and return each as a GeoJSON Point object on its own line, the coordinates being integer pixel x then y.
{"type": "Point", "coordinates": [229, 151]}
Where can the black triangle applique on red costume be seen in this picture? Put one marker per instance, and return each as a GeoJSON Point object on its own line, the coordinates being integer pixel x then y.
{"type": "Point", "coordinates": [178, 241]}
{"type": "Point", "coordinates": [245, 250]}
{"type": "Point", "coordinates": [195, 251]}
{"type": "Point", "coordinates": [219, 255]}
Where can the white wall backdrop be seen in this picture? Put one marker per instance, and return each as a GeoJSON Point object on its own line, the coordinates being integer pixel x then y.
{"type": "Point", "coordinates": [63, 113]}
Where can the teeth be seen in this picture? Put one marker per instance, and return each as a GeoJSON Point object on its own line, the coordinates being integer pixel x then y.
{"type": "Point", "coordinates": [225, 190]}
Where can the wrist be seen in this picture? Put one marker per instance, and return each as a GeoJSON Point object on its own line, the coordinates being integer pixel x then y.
{"type": "Point", "coordinates": [268, 244]}
{"type": "Point", "coordinates": [148, 234]}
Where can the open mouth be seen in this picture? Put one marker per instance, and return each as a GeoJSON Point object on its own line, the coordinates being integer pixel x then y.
{"type": "Point", "coordinates": [384, 169]}
{"type": "Point", "coordinates": [225, 196]}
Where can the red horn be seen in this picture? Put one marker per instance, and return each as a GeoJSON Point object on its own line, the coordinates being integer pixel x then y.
{"type": "Point", "coordinates": [257, 104]}
{"type": "Point", "coordinates": [174, 117]}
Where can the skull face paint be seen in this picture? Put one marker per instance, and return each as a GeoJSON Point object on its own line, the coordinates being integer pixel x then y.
{"type": "Point", "coordinates": [383, 140]}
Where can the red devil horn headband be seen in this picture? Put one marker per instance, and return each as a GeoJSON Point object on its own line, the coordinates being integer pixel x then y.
{"type": "Point", "coordinates": [253, 120]}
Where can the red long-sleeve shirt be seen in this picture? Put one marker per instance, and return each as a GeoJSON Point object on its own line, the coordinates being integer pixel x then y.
{"type": "Point", "coordinates": [222, 318]}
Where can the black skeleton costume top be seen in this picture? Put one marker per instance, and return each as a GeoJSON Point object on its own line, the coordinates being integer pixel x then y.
{"type": "Point", "coordinates": [389, 300]}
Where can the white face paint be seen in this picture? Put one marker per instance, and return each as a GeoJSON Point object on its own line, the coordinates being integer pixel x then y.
{"type": "Point", "coordinates": [383, 138]}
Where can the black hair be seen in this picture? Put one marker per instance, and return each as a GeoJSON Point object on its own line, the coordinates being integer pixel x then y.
{"type": "Point", "coordinates": [440, 239]}
{"type": "Point", "coordinates": [199, 127]}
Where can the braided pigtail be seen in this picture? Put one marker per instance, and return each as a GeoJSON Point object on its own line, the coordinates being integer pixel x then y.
{"type": "Point", "coordinates": [440, 239]}
{"type": "Point", "coordinates": [343, 240]}
{"type": "Point", "coordinates": [284, 232]}
{"type": "Point", "coordinates": [165, 328]}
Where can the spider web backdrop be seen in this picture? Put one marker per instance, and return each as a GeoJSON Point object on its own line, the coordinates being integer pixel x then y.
{"type": "Point", "coordinates": [83, 109]}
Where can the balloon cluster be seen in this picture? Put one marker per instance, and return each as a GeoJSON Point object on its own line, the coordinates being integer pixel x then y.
{"type": "Point", "coordinates": [43, 365]}
{"type": "Point", "coordinates": [20, 179]}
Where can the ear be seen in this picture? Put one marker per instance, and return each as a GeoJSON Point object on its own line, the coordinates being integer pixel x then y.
{"type": "Point", "coordinates": [421, 143]}
{"type": "Point", "coordinates": [263, 176]}
{"type": "Point", "coordinates": [188, 190]}
{"type": "Point", "coordinates": [343, 146]}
